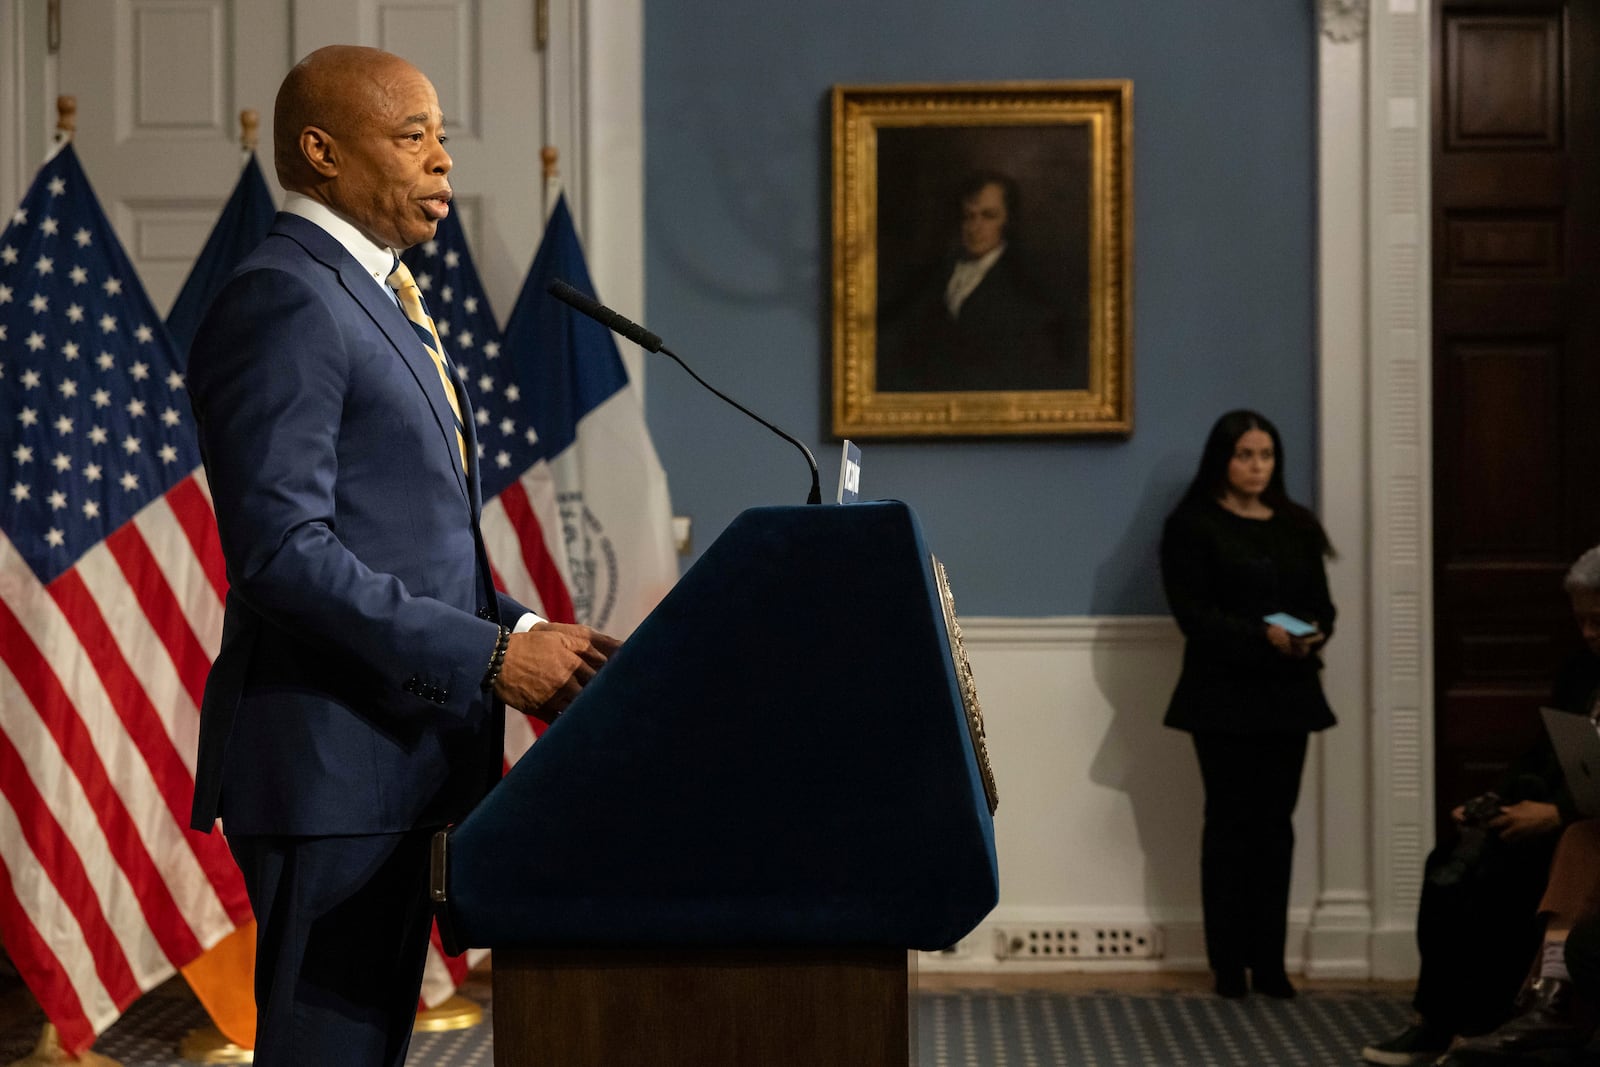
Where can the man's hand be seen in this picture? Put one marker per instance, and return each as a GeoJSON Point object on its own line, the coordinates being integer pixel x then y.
{"type": "Point", "coordinates": [547, 667]}
{"type": "Point", "coordinates": [1524, 819]}
{"type": "Point", "coordinates": [598, 643]}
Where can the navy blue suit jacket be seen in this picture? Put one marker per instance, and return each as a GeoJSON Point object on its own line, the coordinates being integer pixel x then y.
{"type": "Point", "coordinates": [346, 697]}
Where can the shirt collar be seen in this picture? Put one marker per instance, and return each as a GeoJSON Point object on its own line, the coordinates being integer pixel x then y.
{"type": "Point", "coordinates": [983, 262]}
{"type": "Point", "coordinates": [377, 260]}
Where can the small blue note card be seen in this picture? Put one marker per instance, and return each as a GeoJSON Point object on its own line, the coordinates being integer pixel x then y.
{"type": "Point", "coordinates": [849, 475]}
{"type": "Point", "coordinates": [1296, 627]}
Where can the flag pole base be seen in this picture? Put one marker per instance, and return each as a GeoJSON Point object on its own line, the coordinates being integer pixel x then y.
{"type": "Point", "coordinates": [207, 1044]}
{"type": "Point", "coordinates": [457, 1013]}
{"type": "Point", "coordinates": [49, 1053]}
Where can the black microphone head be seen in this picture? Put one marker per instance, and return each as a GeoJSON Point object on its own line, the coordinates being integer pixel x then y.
{"type": "Point", "coordinates": [568, 295]}
{"type": "Point", "coordinates": [591, 307]}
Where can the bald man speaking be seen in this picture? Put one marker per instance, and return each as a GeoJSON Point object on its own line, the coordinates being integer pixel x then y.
{"type": "Point", "coordinates": [358, 700]}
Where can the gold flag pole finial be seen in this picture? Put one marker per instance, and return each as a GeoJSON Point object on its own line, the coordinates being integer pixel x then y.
{"type": "Point", "coordinates": [66, 117]}
{"type": "Point", "coordinates": [249, 129]}
{"type": "Point", "coordinates": [548, 156]}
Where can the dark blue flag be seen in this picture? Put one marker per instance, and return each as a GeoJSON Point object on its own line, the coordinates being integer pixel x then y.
{"type": "Point", "coordinates": [568, 363]}
{"type": "Point", "coordinates": [616, 518]}
{"type": "Point", "coordinates": [244, 222]}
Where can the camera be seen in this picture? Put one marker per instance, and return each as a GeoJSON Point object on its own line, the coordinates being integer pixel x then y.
{"type": "Point", "coordinates": [1477, 812]}
{"type": "Point", "coordinates": [1475, 834]}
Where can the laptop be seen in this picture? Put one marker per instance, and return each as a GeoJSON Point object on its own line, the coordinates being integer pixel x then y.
{"type": "Point", "coordinates": [1576, 739]}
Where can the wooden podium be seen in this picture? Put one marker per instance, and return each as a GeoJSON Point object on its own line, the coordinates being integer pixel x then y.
{"type": "Point", "coordinates": [722, 853]}
{"type": "Point", "coordinates": [794, 1007]}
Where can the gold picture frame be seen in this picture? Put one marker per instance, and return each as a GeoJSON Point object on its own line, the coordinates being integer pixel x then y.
{"type": "Point", "coordinates": [982, 259]}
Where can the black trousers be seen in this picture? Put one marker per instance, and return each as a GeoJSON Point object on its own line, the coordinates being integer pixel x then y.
{"type": "Point", "coordinates": [341, 939]}
{"type": "Point", "coordinates": [1252, 782]}
{"type": "Point", "coordinates": [1478, 934]}
{"type": "Point", "coordinates": [1583, 958]}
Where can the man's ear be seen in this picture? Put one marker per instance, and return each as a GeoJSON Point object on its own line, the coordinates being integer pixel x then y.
{"type": "Point", "coordinates": [320, 151]}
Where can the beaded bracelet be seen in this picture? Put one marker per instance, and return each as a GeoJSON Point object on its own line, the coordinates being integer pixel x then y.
{"type": "Point", "coordinates": [497, 659]}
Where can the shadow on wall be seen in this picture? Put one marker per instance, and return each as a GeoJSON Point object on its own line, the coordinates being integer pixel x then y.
{"type": "Point", "coordinates": [1138, 756]}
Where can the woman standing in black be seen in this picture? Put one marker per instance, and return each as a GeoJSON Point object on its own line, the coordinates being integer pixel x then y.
{"type": "Point", "coordinates": [1235, 552]}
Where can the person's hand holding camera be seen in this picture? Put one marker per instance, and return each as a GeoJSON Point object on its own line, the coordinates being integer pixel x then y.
{"type": "Point", "coordinates": [1525, 819]}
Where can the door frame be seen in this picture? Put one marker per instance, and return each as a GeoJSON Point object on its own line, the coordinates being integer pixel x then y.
{"type": "Point", "coordinates": [1374, 359]}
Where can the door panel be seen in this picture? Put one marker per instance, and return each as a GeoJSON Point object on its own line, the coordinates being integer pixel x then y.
{"type": "Point", "coordinates": [1515, 298]}
{"type": "Point", "coordinates": [160, 84]}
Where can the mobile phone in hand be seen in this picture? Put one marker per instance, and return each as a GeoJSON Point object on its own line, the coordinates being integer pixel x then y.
{"type": "Point", "coordinates": [1295, 627]}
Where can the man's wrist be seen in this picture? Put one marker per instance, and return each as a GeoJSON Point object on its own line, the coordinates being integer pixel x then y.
{"type": "Point", "coordinates": [497, 659]}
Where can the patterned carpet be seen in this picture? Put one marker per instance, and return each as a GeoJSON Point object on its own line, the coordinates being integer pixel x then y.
{"type": "Point", "coordinates": [974, 1028]}
{"type": "Point", "coordinates": [1175, 1029]}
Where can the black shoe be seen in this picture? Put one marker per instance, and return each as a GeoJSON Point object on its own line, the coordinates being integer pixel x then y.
{"type": "Point", "coordinates": [1275, 984]}
{"type": "Point", "coordinates": [1230, 984]}
{"type": "Point", "coordinates": [1418, 1043]}
{"type": "Point", "coordinates": [1551, 1018]}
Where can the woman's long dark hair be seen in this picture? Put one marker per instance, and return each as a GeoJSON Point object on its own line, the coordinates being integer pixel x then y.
{"type": "Point", "coordinates": [1212, 477]}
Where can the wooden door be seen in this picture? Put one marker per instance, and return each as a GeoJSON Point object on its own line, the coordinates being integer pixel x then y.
{"type": "Point", "coordinates": [1516, 364]}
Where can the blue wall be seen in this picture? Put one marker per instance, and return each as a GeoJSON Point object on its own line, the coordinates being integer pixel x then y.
{"type": "Point", "coordinates": [737, 148]}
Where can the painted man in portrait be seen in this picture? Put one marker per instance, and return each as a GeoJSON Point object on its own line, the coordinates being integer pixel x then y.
{"type": "Point", "coordinates": [979, 320]}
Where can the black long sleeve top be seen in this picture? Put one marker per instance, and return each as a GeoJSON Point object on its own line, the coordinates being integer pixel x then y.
{"type": "Point", "coordinates": [1223, 575]}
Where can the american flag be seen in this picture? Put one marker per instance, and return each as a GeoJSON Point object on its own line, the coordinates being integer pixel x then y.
{"type": "Point", "coordinates": [111, 584]}
{"type": "Point", "coordinates": [521, 526]}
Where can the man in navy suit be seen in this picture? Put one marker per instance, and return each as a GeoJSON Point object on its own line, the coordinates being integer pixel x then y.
{"type": "Point", "coordinates": [357, 703]}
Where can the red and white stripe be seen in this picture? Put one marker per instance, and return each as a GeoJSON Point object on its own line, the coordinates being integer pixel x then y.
{"type": "Point", "coordinates": [522, 532]}
{"type": "Point", "coordinates": [105, 890]}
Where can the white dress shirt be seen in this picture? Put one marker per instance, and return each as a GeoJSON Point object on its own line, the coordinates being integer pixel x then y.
{"type": "Point", "coordinates": [966, 277]}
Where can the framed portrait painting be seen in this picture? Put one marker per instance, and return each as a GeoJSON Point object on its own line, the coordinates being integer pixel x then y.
{"type": "Point", "coordinates": [982, 259]}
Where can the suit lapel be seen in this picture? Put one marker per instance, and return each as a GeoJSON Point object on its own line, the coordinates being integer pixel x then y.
{"type": "Point", "coordinates": [388, 317]}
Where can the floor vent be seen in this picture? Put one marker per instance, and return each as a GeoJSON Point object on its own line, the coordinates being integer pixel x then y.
{"type": "Point", "coordinates": [1087, 941]}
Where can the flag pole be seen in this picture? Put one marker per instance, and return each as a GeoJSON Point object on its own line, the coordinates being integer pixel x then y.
{"type": "Point", "coordinates": [66, 125]}
{"type": "Point", "coordinates": [249, 132]}
{"type": "Point", "coordinates": [66, 117]}
{"type": "Point", "coordinates": [548, 157]}
{"type": "Point", "coordinates": [48, 1052]}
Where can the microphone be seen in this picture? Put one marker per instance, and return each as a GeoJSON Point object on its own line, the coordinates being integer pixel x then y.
{"type": "Point", "coordinates": [650, 342]}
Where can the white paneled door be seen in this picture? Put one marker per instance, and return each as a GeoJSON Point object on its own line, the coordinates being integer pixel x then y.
{"type": "Point", "coordinates": [160, 84]}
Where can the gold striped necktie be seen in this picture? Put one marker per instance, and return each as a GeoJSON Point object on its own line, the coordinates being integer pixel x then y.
{"type": "Point", "coordinates": [405, 287]}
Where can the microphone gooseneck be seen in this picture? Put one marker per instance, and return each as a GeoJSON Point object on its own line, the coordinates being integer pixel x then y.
{"type": "Point", "coordinates": [652, 343]}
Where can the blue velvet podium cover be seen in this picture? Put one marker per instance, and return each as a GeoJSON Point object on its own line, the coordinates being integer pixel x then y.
{"type": "Point", "coordinates": [779, 756]}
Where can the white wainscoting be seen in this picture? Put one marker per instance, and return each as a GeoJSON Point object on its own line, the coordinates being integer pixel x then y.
{"type": "Point", "coordinates": [1099, 818]}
